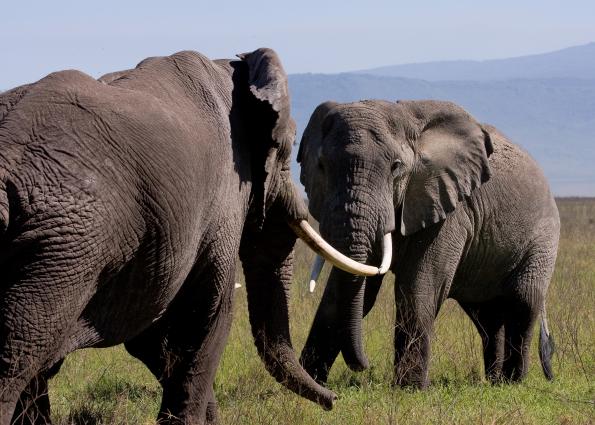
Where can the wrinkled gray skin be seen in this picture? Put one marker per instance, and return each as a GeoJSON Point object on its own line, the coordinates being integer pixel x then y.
{"type": "Point", "coordinates": [124, 203]}
{"type": "Point", "coordinates": [481, 231]}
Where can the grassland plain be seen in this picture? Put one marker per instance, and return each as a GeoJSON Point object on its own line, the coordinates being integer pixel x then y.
{"type": "Point", "coordinates": [107, 386]}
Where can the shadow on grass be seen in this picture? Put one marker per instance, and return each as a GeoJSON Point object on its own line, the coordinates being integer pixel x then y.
{"type": "Point", "coordinates": [111, 400]}
{"type": "Point", "coordinates": [108, 390]}
{"type": "Point", "coordinates": [85, 416]}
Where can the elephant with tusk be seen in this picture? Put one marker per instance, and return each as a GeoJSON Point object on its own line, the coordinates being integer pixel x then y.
{"type": "Point", "coordinates": [124, 203]}
{"type": "Point", "coordinates": [471, 216]}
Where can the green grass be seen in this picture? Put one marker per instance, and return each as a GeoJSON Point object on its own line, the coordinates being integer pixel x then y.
{"type": "Point", "coordinates": [109, 387]}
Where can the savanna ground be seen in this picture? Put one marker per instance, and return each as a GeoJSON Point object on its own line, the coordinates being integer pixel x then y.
{"type": "Point", "coordinates": [108, 386]}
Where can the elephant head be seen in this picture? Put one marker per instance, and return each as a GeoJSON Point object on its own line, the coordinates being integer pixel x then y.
{"type": "Point", "coordinates": [372, 168]}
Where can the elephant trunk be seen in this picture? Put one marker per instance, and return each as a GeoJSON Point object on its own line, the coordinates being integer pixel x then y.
{"type": "Point", "coordinates": [338, 322]}
{"type": "Point", "coordinates": [354, 225]}
{"type": "Point", "coordinates": [350, 307]}
{"type": "Point", "coordinates": [337, 327]}
{"type": "Point", "coordinates": [267, 258]}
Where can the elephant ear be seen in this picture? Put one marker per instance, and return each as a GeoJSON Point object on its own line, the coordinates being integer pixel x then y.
{"type": "Point", "coordinates": [451, 161]}
{"type": "Point", "coordinates": [273, 129]}
{"type": "Point", "coordinates": [309, 152]}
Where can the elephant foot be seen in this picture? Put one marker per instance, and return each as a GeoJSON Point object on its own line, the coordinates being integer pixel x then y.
{"type": "Point", "coordinates": [409, 382]}
{"type": "Point", "coordinates": [32, 409]}
{"type": "Point", "coordinates": [212, 417]}
{"type": "Point", "coordinates": [412, 356]}
{"type": "Point", "coordinates": [33, 406]}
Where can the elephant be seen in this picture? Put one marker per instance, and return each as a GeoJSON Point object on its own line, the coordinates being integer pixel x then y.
{"type": "Point", "coordinates": [124, 204]}
{"type": "Point", "coordinates": [471, 218]}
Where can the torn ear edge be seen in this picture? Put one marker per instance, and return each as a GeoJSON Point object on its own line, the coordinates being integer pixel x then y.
{"type": "Point", "coordinates": [487, 139]}
{"type": "Point", "coordinates": [489, 148]}
{"type": "Point", "coordinates": [267, 82]}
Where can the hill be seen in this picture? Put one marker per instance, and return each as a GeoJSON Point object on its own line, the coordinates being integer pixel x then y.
{"type": "Point", "coordinates": [554, 119]}
{"type": "Point", "coordinates": [572, 62]}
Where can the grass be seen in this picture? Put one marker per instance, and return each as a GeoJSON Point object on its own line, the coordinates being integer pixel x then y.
{"type": "Point", "coordinates": [109, 387]}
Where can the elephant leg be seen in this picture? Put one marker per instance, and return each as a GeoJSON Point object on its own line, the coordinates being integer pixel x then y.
{"type": "Point", "coordinates": [429, 261]}
{"type": "Point", "coordinates": [413, 329]}
{"type": "Point", "coordinates": [528, 286]}
{"type": "Point", "coordinates": [35, 314]}
{"type": "Point", "coordinates": [488, 318]}
{"type": "Point", "coordinates": [188, 384]}
{"type": "Point", "coordinates": [519, 330]}
{"type": "Point", "coordinates": [212, 416]}
{"type": "Point", "coordinates": [323, 345]}
{"type": "Point", "coordinates": [324, 331]}
{"type": "Point", "coordinates": [33, 407]}
{"type": "Point", "coordinates": [184, 347]}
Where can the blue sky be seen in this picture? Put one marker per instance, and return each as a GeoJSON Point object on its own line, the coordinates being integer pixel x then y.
{"type": "Point", "coordinates": [311, 36]}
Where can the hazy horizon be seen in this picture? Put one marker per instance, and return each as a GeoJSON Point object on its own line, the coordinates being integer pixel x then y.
{"type": "Point", "coordinates": [318, 37]}
{"type": "Point", "coordinates": [328, 38]}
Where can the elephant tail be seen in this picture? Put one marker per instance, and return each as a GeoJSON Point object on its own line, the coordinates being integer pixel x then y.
{"type": "Point", "coordinates": [546, 347]}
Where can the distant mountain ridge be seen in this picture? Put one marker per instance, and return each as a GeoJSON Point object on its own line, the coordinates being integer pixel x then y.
{"type": "Point", "coordinates": [552, 115]}
{"type": "Point", "coordinates": [572, 62]}
{"type": "Point", "coordinates": [553, 119]}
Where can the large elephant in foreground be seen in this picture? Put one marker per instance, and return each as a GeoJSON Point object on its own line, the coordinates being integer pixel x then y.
{"type": "Point", "coordinates": [124, 203]}
{"type": "Point", "coordinates": [471, 216]}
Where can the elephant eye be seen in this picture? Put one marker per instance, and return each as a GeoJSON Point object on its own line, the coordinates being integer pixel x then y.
{"type": "Point", "coordinates": [396, 166]}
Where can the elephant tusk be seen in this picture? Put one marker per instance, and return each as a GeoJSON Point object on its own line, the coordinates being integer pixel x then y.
{"type": "Point", "coordinates": [387, 253]}
{"type": "Point", "coordinates": [305, 232]}
{"type": "Point", "coordinates": [316, 269]}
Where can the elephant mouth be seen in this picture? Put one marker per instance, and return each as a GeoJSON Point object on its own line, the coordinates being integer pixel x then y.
{"type": "Point", "coordinates": [306, 233]}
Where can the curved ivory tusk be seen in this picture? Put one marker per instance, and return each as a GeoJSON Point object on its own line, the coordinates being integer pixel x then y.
{"type": "Point", "coordinates": [387, 253]}
{"type": "Point", "coordinates": [305, 232]}
{"type": "Point", "coordinates": [316, 269]}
